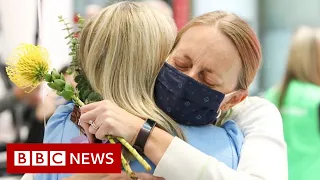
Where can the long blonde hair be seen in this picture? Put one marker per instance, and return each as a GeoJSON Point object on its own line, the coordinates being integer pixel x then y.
{"type": "Point", "coordinates": [241, 34]}
{"type": "Point", "coordinates": [304, 59]}
{"type": "Point", "coordinates": [121, 52]}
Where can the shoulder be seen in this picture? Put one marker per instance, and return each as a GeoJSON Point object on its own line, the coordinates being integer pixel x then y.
{"type": "Point", "coordinates": [60, 114]}
{"type": "Point", "coordinates": [261, 123]}
{"type": "Point", "coordinates": [55, 126]}
{"type": "Point", "coordinates": [258, 113]}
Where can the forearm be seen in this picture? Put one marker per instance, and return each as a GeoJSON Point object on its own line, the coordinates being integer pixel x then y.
{"type": "Point", "coordinates": [176, 159]}
{"type": "Point", "coordinates": [157, 144]}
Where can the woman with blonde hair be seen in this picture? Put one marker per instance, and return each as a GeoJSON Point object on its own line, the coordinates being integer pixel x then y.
{"type": "Point", "coordinates": [298, 99]}
{"type": "Point", "coordinates": [206, 73]}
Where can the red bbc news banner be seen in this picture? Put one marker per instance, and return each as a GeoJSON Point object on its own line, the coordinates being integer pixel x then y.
{"type": "Point", "coordinates": [63, 158]}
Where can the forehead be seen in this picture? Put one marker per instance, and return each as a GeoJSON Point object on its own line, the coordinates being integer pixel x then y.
{"type": "Point", "coordinates": [208, 47]}
{"type": "Point", "coordinates": [209, 44]}
{"type": "Point", "coordinates": [208, 40]}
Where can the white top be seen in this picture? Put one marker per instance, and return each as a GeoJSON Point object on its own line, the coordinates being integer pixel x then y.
{"type": "Point", "coordinates": [263, 154]}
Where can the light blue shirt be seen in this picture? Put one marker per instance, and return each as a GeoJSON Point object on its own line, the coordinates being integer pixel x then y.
{"type": "Point", "coordinates": [224, 143]}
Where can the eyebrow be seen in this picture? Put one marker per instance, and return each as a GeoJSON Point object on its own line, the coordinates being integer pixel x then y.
{"type": "Point", "coordinates": [208, 70]}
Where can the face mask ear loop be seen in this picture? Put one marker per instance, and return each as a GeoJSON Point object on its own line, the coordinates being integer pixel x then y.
{"type": "Point", "coordinates": [219, 113]}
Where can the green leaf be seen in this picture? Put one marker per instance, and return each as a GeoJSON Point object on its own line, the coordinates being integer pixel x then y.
{"type": "Point", "coordinates": [62, 77]}
{"type": "Point", "coordinates": [78, 78]}
{"type": "Point", "coordinates": [86, 94]}
{"type": "Point", "coordinates": [48, 77]}
{"type": "Point", "coordinates": [68, 87]}
{"type": "Point", "coordinates": [69, 71]}
{"type": "Point", "coordinates": [93, 97]}
{"type": "Point", "coordinates": [79, 86]}
{"type": "Point", "coordinates": [69, 35]}
{"type": "Point", "coordinates": [52, 85]}
{"type": "Point", "coordinates": [67, 95]}
{"type": "Point", "coordinates": [83, 89]}
{"type": "Point", "coordinates": [84, 81]}
{"type": "Point", "coordinates": [67, 28]}
{"type": "Point", "coordinates": [55, 74]}
{"type": "Point", "coordinates": [59, 84]}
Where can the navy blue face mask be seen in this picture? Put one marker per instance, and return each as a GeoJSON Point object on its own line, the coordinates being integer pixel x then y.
{"type": "Point", "coordinates": [184, 99]}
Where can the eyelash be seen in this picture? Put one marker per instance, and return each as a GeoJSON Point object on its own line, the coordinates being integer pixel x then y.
{"type": "Point", "coordinates": [183, 69]}
{"type": "Point", "coordinates": [212, 85]}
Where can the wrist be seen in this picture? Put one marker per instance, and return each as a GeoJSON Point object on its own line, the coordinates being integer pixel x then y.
{"type": "Point", "coordinates": [143, 135]}
{"type": "Point", "coordinates": [157, 144]}
{"type": "Point", "coordinates": [139, 123]}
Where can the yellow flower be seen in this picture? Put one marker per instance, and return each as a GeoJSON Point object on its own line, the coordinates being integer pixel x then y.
{"type": "Point", "coordinates": [28, 66]}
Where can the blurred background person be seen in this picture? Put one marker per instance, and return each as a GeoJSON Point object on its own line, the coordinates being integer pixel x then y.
{"type": "Point", "coordinates": [298, 99]}
{"type": "Point", "coordinates": [91, 10]}
{"type": "Point", "coordinates": [161, 6]}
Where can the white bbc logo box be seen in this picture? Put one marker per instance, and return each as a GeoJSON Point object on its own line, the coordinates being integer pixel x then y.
{"type": "Point", "coordinates": [39, 158]}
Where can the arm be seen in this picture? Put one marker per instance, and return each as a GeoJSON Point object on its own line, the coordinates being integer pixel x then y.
{"type": "Point", "coordinates": [263, 155]}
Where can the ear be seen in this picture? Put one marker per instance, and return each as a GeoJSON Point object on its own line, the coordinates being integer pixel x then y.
{"type": "Point", "coordinates": [235, 99]}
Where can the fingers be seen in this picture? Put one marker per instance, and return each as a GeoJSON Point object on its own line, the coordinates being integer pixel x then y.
{"type": "Point", "coordinates": [122, 176]}
{"type": "Point", "coordinates": [101, 119]}
{"type": "Point", "coordinates": [94, 105]}
{"type": "Point", "coordinates": [89, 107]}
{"type": "Point", "coordinates": [102, 132]}
{"type": "Point", "coordinates": [86, 129]}
{"type": "Point", "coordinates": [92, 130]}
{"type": "Point", "coordinates": [91, 115]}
{"type": "Point", "coordinates": [85, 177]}
{"type": "Point", "coordinates": [146, 176]}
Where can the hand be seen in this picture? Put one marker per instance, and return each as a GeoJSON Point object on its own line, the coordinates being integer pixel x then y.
{"type": "Point", "coordinates": [122, 176]}
{"type": "Point", "coordinates": [85, 177]}
{"type": "Point", "coordinates": [110, 119]}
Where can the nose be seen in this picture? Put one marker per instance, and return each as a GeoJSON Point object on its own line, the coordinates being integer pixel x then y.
{"type": "Point", "coordinates": [194, 74]}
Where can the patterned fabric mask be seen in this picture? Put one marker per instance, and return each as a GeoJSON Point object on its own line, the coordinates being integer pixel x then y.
{"type": "Point", "coordinates": [184, 99]}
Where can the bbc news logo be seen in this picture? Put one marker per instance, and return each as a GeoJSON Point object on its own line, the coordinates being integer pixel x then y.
{"type": "Point", "coordinates": [63, 158]}
{"type": "Point", "coordinates": [39, 158]}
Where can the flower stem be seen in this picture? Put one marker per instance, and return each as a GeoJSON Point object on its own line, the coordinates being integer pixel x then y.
{"type": "Point", "coordinates": [125, 164]}
{"type": "Point", "coordinates": [77, 101]}
{"type": "Point", "coordinates": [134, 152]}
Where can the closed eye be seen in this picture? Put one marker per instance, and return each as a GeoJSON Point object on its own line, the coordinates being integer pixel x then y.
{"type": "Point", "coordinates": [209, 81]}
{"type": "Point", "coordinates": [181, 65]}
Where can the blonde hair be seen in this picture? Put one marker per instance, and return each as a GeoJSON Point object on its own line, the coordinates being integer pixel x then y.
{"type": "Point", "coordinates": [243, 37]}
{"type": "Point", "coordinates": [303, 60]}
{"type": "Point", "coordinates": [121, 52]}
